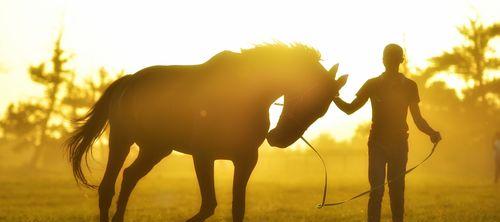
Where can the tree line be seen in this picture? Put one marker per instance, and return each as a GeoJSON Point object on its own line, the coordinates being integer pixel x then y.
{"type": "Point", "coordinates": [39, 125]}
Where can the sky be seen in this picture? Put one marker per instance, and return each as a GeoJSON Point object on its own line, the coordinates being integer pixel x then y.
{"type": "Point", "coordinates": [131, 35]}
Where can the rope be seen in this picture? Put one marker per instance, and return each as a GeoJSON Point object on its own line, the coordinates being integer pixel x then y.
{"type": "Point", "coordinates": [325, 184]}
{"type": "Point", "coordinates": [323, 201]}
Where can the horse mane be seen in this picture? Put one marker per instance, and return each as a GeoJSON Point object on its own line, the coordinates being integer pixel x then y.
{"type": "Point", "coordinates": [269, 53]}
{"type": "Point", "coordinates": [282, 50]}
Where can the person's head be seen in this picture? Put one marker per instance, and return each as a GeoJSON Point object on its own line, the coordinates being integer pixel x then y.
{"type": "Point", "coordinates": [393, 56]}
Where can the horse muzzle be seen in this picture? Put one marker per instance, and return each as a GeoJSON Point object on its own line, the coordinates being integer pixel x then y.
{"type": "Point", "coordinates": [282, 138]}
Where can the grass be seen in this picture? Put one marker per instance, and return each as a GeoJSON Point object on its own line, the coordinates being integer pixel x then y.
{"type": "Point", "coordinates": [282, 188]}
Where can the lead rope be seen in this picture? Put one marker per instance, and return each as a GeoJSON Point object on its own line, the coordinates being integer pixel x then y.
{"type": "Point", "coordinates": [319, 206]}
{"type": "Point", "coordinates": [325, 187]}
{"type": "Point", "coordinates": [323, 201]}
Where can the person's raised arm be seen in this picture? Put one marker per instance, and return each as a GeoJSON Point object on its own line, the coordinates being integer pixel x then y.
{"type": "Point", "coordinates": [352, 107]}
{"type": "Point", "coordinates": [422, 124]}
{"type": "Point", "coordinates": [360, 100]}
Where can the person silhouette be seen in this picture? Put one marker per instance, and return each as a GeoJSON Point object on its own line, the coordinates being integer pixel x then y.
{"type": "Point", "coordinates": [496, 150]}
{"type": "Point", "coordinates": [391, 95]}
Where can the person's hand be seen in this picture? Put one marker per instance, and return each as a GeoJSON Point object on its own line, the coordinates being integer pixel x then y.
{"type": "Point", "coordinates": [335, 98]}
{"type": "Point", "coordinates": [435, 137]}
{"type": "Point", "coordinates": [336, 94]}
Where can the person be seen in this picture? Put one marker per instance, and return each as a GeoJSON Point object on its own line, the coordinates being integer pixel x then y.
{"type": "Point", "coordinates": [496, 149]}
{"type": "Point", "coordinates": [391, 94]}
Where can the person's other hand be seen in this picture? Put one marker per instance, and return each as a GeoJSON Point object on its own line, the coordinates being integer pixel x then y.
{"type": "Point", "coordinates": [435, 137]}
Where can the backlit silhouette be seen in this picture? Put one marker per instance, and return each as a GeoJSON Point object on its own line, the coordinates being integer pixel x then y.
{"type": "Point", "coordinates": [215, 110]}
{"type": "Point", "coordinates": [391, 95]}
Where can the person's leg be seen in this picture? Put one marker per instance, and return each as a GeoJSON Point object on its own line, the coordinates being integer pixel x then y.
{"type": "Point", "coordinates": [396, 167]}
{"type": "Point", "coordinates": [376, 176]}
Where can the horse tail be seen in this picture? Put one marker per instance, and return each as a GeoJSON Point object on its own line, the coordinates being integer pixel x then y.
{"type": "Point", "coordinates": [91, 127]}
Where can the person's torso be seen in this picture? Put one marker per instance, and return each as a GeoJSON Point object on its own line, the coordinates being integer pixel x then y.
{"type": "Point", "coordinates": [390, 98]}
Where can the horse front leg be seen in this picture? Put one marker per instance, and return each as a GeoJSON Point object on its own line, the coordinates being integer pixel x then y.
{"type": "Point", "coordinates": [205, 173]}
{"type": "Point", "coordinates": [243, 168]}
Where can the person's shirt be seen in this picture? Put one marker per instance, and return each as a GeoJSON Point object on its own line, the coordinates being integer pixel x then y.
{"type": "Point", "coordinates": [390, 96]}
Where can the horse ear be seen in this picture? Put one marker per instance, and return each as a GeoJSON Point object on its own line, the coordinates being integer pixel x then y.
{"type": "Point", "coordinates": [334, 70]}
{"type": "Point", "coordinates": [342, 81]}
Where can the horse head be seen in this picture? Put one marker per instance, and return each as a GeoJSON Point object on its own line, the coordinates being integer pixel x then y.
{"type": "Point", "coordinates": [305, 101]}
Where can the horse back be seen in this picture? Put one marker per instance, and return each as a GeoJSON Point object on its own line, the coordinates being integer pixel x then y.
{"type": "Point", "coordinates": [195, 106]}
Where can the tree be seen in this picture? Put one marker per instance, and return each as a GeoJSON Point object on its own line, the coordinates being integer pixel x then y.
{"type": "Point", "coordinates": [475, 116]}
{"type": "Point", "coordinates": [21, 125]}
{"type": "Point", "coordinates": [52, 81]}
{"type": "Point", "coordinates": [470, 60]}
{"type": "Point", "coordinates": [45, 121]}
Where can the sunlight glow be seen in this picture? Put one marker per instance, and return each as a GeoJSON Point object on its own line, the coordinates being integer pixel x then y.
{"type": "Point", "coordinates": [130, 35]}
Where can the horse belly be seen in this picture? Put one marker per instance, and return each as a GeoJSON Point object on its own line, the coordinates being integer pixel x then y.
{"type": "Point", "coordinates": [227, 136]}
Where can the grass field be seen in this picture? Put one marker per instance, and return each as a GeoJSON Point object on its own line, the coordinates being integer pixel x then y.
{"type": "Point", "coordinates": [282, 188]}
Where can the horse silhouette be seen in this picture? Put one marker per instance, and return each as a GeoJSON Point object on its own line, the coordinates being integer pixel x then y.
{"type": "Point", "coordinates": [215, 110]}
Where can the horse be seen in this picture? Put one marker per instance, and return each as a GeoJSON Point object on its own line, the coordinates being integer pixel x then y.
{"type": "Point", "coordinates": [215, 110]}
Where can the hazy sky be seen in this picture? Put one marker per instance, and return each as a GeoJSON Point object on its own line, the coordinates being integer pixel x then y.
{"type": "Point", "coordinates": [131, 35]}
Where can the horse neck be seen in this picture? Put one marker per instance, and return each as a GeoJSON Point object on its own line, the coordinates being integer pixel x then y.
{"type": "Point", "coordinates": [272, 87]}
{"type": "Point", "coordinates": [265, 81]}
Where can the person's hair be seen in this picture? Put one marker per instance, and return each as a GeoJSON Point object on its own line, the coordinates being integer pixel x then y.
{"type": "Point", "coordinates": [393, 53]}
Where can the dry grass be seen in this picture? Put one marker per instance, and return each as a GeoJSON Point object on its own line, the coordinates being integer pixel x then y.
{"type": "Point", "coordinates": [283, 188]}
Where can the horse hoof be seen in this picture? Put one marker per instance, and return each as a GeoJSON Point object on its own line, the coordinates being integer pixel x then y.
{"type": "Point", "coordinates": [195, 219]}
{"type": "Point", "coordinates": [117, 219]}
{"type": "Point", "coordinates": [200, 217]}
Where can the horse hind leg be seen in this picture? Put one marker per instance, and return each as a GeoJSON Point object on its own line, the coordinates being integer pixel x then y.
{"type": "Point", "coordinates": [145, 161]}
{"type": "Point", "coordinates": [205, 173]}
{"type": "Point", "coordinates": [119, 147]}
